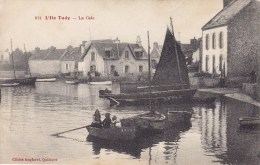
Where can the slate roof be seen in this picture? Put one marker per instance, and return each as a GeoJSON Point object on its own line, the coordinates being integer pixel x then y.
{"type": "Point", "coordinates": [116, 49]}
{"type": "Point", "coordinates": [227, 14]}
{"type": "Point", "coordinates": [72, 54]}
{"type": "Point", "coordinates": [48, 54]}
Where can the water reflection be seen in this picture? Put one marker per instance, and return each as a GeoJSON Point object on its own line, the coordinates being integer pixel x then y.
{"type": "Point", "coordinates": [169, 137]}
{"type": "Point", "coordinates": [28, 115]}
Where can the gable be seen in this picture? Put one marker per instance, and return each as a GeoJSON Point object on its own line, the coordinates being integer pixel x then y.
{"type": "Point", "coordinates": [227, 14]}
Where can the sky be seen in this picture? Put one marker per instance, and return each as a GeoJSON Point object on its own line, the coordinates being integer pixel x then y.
{"type": "Point", "coordinates": [125, 19]}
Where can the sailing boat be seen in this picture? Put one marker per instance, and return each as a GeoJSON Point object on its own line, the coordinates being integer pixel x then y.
{"type": "Point", "coordinates": [22, 81]}
{"type": "Point", "coordinates": [151, 122]}
{"type": "Point", "coordinates": [170, 83]}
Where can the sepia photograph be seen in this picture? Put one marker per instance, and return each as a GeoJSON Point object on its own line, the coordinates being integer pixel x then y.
{"type": "Point", "coordinates": [134, 82]}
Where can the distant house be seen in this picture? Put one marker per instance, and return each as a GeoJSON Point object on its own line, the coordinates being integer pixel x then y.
{"type": "Point", "coordinates": [111, 58]}
{"type": "Point", "coordinates": [230, 39]}
{"type": "Point", "coordinates": [192, 51]}
{"type": "Point", "coordinates": [156, 54]}
{"type": "Point", "coordinates": [69, 61]}
{"type": "Point", "coordinates": [5, 56]}
{"type": "Point", "coordinates": [46, 62]}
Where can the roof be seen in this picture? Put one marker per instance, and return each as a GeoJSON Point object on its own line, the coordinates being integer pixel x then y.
{"type": "Point", "coordinates": [48, 54]}
{"type": "Point", "coordinates": [72, 54]}
{"type": "Point", "coordinates": [227, 14]}
{"type": "Point", "coordinates": [116, 49]}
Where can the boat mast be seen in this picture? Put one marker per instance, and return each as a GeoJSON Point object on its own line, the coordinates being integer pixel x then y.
{"type": "Point", "coordinates": [27, 61]}
{"type": "Point", "coordinates": [149, 72]}
{"type": "Point", "coordinates": [177, 56]}
{"type": "Point", "coordinates": [12, 59]}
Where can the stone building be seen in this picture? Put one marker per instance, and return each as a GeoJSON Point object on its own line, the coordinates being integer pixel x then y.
{"type": "Point", "coordinates": [230, 39]}
{"type": "Point", "coordinates": [110, 58]}
{"type": "Point", "coordinates": [46, 62]}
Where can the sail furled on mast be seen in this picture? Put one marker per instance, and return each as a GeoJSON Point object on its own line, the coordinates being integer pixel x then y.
{"type": "Point", "coordinates": [171, 69]}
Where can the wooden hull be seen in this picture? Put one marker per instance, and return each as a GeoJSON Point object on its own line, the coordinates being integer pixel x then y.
{"type": "Point", "coordinates": [117, 133]}
{"type": "Point", "coordinates": [26, 81]}
{"type": "Point", "coordinates": [249, 121]}
{"type": "Point", "coordinates": [157, 97]}
{"type": "Point", "coordinates": [71, 82]}
{"type": "Point", "coordinates": [45, 79]}
{"type": "Point", "coordinates": [179, 116]}
{"type": "Point", "coordinates": [101, 83]}
{"type": "Point", "coordinates": [9, 84]}
{"type": "Point", "coordinates": [146, 123]}
{"type": "Point", "coordinates": [20, 81]}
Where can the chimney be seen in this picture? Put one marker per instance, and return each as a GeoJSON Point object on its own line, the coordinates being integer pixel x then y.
{"type": "Point", "coordinates": [138, 41]}
{"type": "Point", "coordinates": [226, 2]}
{"type": "Point", "coordinates": [155, 45]}
{"type": "Point", "coordinates": [193, 43]}
{"type": "Point", "coordinates": [37, 49]}
{"type": "Point", "coordinates": [82, 47]}
{"type": "Point", "coordinates": [117, 41]}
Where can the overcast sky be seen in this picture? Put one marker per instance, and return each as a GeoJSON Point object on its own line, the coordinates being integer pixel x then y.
{"type": "Point", "coordinates": [112, 18]}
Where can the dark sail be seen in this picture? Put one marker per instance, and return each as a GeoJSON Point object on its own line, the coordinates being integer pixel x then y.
{"type": "Point", "coordinates": [171, 70]}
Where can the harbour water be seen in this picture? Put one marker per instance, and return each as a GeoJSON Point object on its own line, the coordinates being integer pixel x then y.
{"type": "Point", "coordinates": [29, 115]}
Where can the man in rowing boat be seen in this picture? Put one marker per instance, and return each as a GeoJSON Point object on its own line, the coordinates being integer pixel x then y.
{"type": "Point", "coordinates": [96, 119]}
{"type": "Point", "coordinates": [107, 121]}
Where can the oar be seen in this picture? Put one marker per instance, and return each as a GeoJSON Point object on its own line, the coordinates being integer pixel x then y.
{"type": "Point", "coordinates": [56, 134]}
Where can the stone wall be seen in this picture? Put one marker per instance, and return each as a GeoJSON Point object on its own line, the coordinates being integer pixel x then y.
{"type": "Point", "coordinates": [45, 67]}
{"type": "Point", "coordinates": [243, 40]}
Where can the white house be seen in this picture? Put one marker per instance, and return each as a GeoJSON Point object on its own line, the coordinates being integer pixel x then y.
{"type": "Point", "coordinates": [230, 39]}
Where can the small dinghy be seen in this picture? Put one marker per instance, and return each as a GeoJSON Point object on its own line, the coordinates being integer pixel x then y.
{"type": "Point", "coordinates": [113, 133]}
{"type": "Point", "coordinates": [152, 121]}
{"type": "Point", "coordinates": [249, 121]}
{"type": "Point", "coordinates": [9, 84]}
{"type": "Point", "coordinates": [45, 79]}
{"type": "Point", "coordinates": [101, 83]}
{"type": "Point", "coordinates": [72, 82]}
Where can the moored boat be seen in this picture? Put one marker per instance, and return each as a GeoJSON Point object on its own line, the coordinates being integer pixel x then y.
{"type": "Point", "coordinates": [113, 133]}
{"type": "Point", "coordinates": [100, 83]}
{"type": "Point", "coordinates": [151, 122]}
{"type": "Point", "coordinates": [249, 121]}
{"type": "Point", "coordinates": [72, 82]}
{"type": "Point", "coordinates": [26, 81]}
{"type": "Point", "coordinates": [46, 79]}
{"type": "Point", "coordinates": [170, 83]}
{"type": "Point", "coordinates": [9, 84]}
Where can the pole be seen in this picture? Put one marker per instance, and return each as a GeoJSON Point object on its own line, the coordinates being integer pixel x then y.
{"type": "Point", "coordinates": [177, 56]}
{"type": "Point", "coordinates": [149, 72]}
{"type": "Point", "coordinates": [27, 60]}
{"type": "Point", "coordinates": [12, 58]}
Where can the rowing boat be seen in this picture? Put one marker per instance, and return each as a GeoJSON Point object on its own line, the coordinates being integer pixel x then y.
{"type": "Point", "coordinates": [9, 84]}
{"type": "Point", "coordinates": [45, 79]}
{"type": "Point", "coordinates": [113, 133]}
{"type": "Point", "coordinates": [150, 122]}
{"type": "Point", "coordinates": [101, 83]}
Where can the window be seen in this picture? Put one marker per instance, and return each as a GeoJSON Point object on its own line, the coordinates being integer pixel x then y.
{"type": "Point", "coordinates": [92, 68]}
{"type": "Point", "coordinates": [112, 69]}
{"type": "Point", "coordinates": [93, 58]}
{"type": "Point", "coordinates": [213, 41]}
{"type": "Point", "coordinates": [220, 62]}
{"type": "Point", "coordinates": [108, 53]}
{"type": "Point", "coordinates": [140, 68]}
{"type": "Point", "coordinates": [139, 54]}
{"type": "Point", "coordinates": [126, 54]}
{"type": "Point", "coordinates": [221, 40]}
{"type": "Point", "coordinates": [213, 64]}
{"type": "Point", "coordinates": [126, 69]}
{"type": "Point", "coordinates": [207, 63]}
{"type": "Point", "coordinates": [207, 41]}
{"type": "Point", "coordinates": [67, 66]}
